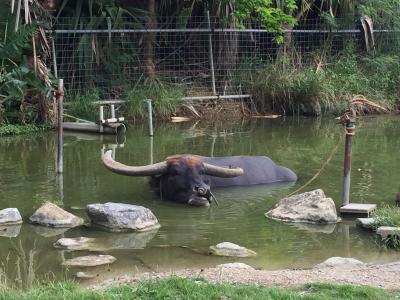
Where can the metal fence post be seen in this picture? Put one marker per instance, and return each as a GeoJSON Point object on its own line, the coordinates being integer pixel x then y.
{"type": "Point", "coordinates": [210, 49]}
{"type": "Point", "coordinates": [60, 99]}
{"type": "Point", "coordinates": [150, 116]}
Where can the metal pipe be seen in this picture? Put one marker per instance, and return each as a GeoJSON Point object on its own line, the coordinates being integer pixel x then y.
{"type": "Point", "coordinates": [211, 56]}
{"type": "Point", "coordinates": [60, 99]}
{"type": "Point", "coordinates": [112, 111]}
{"type": "Point", "coordinates": [101, 117]}
{"type": "Point", "coordinates": [347, 161]}
{"type": "Point", "coordinates": [150, 116]}
{"type": "Point", "coordinates": [216, 97]}
{"type": "Point", "coordinates": [206, 30]}
{"type": "Point", "coordinates": [53, 46]}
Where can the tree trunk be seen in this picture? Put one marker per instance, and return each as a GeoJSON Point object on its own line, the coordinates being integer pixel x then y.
{"type": "Point", "coordinates": [149, 41]}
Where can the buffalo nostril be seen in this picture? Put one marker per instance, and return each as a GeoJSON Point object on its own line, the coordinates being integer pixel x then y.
{"type": "Point", "coordinates": [202, 191]}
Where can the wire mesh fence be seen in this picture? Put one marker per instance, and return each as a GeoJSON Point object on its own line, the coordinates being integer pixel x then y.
{"type": "Point", "coordinates": [198, 58]}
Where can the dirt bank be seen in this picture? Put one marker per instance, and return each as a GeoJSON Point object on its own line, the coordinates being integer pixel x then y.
{"type": "Point", "coordinates": [382, 276]}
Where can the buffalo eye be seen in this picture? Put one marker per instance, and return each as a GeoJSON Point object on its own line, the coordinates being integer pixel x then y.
{"type": "Point", "coordinates": [202, 172]}
{"type": "Point", "coordinates": [174, 172]}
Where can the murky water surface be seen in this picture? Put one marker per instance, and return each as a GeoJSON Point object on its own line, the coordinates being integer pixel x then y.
{"type": "Point", "coordinates": [28, 178]}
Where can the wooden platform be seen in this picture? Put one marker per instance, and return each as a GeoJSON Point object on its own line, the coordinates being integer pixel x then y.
{"type": "Point", "coordinates": [358, 208]}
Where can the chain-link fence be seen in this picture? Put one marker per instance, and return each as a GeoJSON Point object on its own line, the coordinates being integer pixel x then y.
{"type": "Point", "coordinates": [199, 57]}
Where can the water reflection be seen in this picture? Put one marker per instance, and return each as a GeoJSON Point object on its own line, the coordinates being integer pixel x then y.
{"type": "Point", "coordinates": [28, 177]}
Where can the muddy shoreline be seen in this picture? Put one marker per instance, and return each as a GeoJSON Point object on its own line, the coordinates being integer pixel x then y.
{"type": "Point", "coordinates": [380, 276]}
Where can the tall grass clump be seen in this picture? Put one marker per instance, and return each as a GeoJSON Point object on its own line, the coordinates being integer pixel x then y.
{"type": "Point", "coordinates": [315, 89]}
{"type": "Point", "coordinates": [388, 216]}
{"type": "Point", "coordinates": [82, 105]}
{"type": "Point", "coordinates": [166, 98]}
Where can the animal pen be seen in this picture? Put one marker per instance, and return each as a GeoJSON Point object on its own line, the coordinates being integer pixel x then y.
{"type": "Point", "coordinates": [199, 58]}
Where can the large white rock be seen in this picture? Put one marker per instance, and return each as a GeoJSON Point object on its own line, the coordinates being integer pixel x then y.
{"type": "Point", "coordinates": [51, 215]}
{"type": "Point", "coordinates": [231, 249]}
{"type": "Point", "coordinates": [122, 217]}
{"type": "Point", "coordinates": [333, 262]}
{"type": "Point", "coordinates": [89, 261]}
{"type": "Point", "coordinates": [309, 207]}
{"type": "Point", "coordinates": [10, 216]}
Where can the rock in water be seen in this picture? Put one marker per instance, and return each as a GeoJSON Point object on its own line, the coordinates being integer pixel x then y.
{"type": "Point", "coordinates": [310, 207]}
{"type": "Point", "coordinates": [339, 262]}
{"type": "Point", "coordinates": [10, 231]}
{"type": "Point", "coordinates": [122, 217]}
{"type": "Point", "coordinates": [231, 249]}
{"type": "Point", "coordinates": [51, 215]}
{"type": "Point", "coordinates": [10, 216]}
{"type": "Point", "coordinates": [89, 261]}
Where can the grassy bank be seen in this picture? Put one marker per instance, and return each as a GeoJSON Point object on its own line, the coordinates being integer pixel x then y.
{"type": "Point", "coordinates": [388, 216]}
{"type": "Point", "coordinates": [14, 129]}
{"type": "Point", "coordinates": [177, 288]}
{"type": "Point", "coordinates": [324, 87]}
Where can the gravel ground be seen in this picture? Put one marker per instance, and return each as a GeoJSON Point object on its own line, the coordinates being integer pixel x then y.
{"type": "Point", "coordinates": [385, 276]}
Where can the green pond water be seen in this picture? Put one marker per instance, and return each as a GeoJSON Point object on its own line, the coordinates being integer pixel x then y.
{"type": "Point", "coordinates": [28, 178]}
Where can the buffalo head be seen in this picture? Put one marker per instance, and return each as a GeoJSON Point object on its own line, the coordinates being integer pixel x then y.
{"type": "Point", "coordinates": [180, 178]}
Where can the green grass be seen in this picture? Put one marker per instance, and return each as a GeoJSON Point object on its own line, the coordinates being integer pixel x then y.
{"type": "Point", "coordinates": [14, 129]}
{"type": "Point", "coordinates": [177, 288]}
{"type": "Point", "coordinates": [82, 106]}
{"type": "Point", "coordinates": [386, 216]}
{"type": "Point", "coordinates": [292, 88]}
{"type": "Point", "coordinates": [166, 98]}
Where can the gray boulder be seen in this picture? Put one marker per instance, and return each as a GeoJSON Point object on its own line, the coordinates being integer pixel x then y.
{"type": "Point", "coordinates": [89, 261]}
{"type": "Point", "coordinates": [231, 249]}
{"type": "Point", "coordinates": [10, 216]}
{"type": "Point", "coordinates": [339, 262]}
{"type": "Point", "coordinates": [122, 217]}
{"type": "Point", "coordinates": [51, 215]}
{"type": "Point", "coordinates": [387, 231]}
{"type": "Point", "coordinates": [366, 222]}
{"type": "Point", "coordinates": [309, 207]}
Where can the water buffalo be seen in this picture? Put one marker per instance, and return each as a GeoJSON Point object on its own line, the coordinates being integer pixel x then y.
{"type": "Point", "coordinates": [187, 178]}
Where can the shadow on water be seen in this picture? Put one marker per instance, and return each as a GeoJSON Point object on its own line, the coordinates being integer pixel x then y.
{"type": "Point", "coordinates": [28, 177]}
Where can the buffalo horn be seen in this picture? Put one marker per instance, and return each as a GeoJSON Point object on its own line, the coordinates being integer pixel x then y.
{"type": "Point", "coordinates": [116, 167]}
{"type": "Point", "coordinates": [221, 171]}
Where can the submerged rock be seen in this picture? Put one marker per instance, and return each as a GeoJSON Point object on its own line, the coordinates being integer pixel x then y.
{"type": "Point", "coordinates": [231, 249]}
{"type": "Point", "coordinates": [309, 207]}
{"type": "Point", "coordinates": [122, 217]}
{"type": "Point", "coordinates": [51, 215]}
{"type": "Point", "coordinates": [10, 230]}
{"type": "Point", "coordinates": [89, 261]}
{"type": "Point", "coordinates": [365, 222]}
{"type": "Point", "coordinates": [339, 262]}
{"type": "Point", "coordinates": [387, 231]}
{"type": "Point", "coordinates": [86, 275]}
{"type": "Point", "coordinates": [10, 216]}
{"type": "Point", "coordinates": [236, 265]}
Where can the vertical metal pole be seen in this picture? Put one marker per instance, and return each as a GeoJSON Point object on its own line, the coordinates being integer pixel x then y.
{"type": "Point", "coordinates": [211, 54]}
{"type": "Point", "coordinates": [60, 99]}
{"type": "Point", "coordinates": [150, 116]}
{"type": "Point", "coordinates": [347, 161]}
{"type": "Point", "coordinates": [101, 117]}
{"type": "Point", "coordinates": [53, 46]}
{"type": "Point", "coordinates": [112, 111]}
{"type": "Point", "coordinates": [151, 150]}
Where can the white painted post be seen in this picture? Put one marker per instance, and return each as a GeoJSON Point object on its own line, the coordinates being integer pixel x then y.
{"type": "Point", "coordinates": [101, 116]}
{"type": "Point", "coordinates": [150, 116]}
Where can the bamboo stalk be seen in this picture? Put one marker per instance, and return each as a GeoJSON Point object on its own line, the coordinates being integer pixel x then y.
{"type": "Point", "coordinates": [18, 15]}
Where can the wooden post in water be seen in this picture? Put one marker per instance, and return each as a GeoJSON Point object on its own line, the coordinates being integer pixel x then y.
{"type": "Point", "coordinates": [211, 55]}
{"type": "Point", "coordinates": [60, 100]}
{"type": "Point", "coordinates": [347, 160]}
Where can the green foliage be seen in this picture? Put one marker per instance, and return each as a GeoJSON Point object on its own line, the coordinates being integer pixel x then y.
{"type": "Point", "coordinates": [165, 99]}
{"type": "Point", "coordinates": [11, 129]}
{"type": "Point", "coordinates": [293, 89]}
{"type": "Point", "coordinates": [82, 105]}
{"type": "Point", "coordinates": [270, 15]}
{"type": "Point", "coordinates": [19, 85]}
{"type": "Point", "coordinates": [178, 288]}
